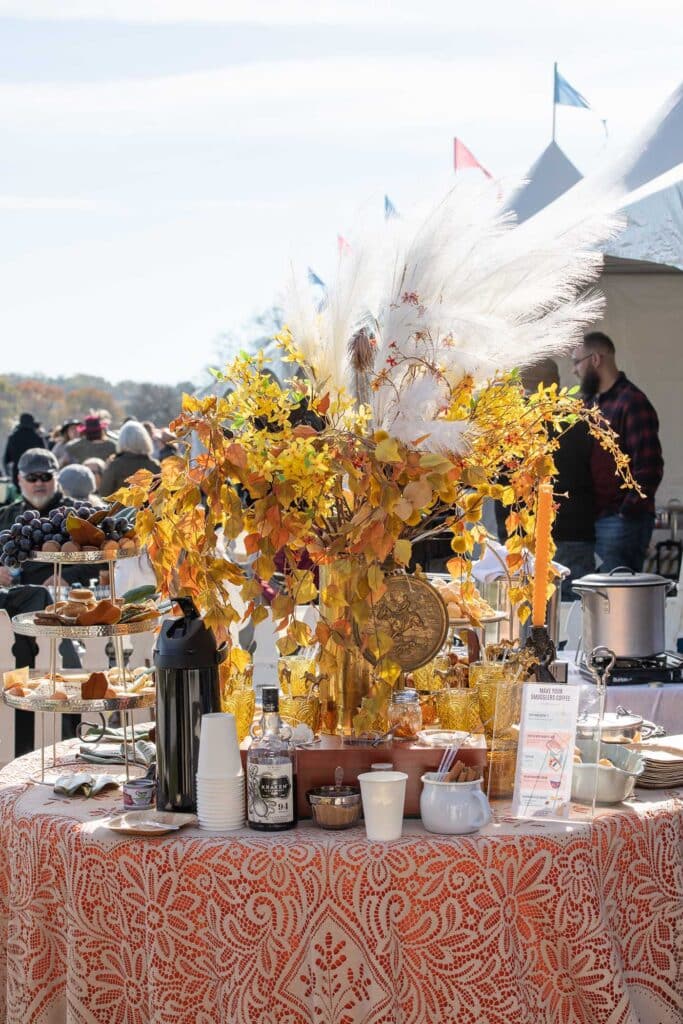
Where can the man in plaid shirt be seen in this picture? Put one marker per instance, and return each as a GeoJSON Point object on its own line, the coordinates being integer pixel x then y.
{"type": "Point", "coordinates": [624, 520]}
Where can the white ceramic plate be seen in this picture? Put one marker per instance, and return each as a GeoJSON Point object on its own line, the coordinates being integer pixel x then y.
{"type": "Point", "coordinates": [440, 737]}
{"type": "Point", "coordinates": [485, 620]}
{"type": "Point", "coordinates": [149, 823]}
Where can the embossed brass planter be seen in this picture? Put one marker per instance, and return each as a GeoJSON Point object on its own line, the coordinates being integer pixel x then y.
{"type": "Point", "coordinates": [413, 614]}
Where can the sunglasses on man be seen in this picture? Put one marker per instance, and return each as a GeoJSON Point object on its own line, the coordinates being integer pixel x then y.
{"type": "Point", "coordinates": [33, 478]}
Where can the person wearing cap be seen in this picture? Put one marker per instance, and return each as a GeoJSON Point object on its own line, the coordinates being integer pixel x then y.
{"type": "Point", "coordinates": [78, 482]}
{"type": "Point", "coordinates": [40, 490]}
{"type": "Point", "coordinates": [94, 444]}
{"type": "Point", "coordinates": [24, 436]}
{"type": "Point", "coordinates": [69, 431]}
{"type": "Point", "coordinates": [27, 591]}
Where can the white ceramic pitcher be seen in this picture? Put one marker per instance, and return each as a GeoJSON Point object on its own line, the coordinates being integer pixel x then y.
{"type": "Point", "coordinates": [453, 808]}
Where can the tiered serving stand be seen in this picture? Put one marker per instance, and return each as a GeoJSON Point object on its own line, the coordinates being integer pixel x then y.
{"type": "Point", "coordinates": [45, 705]}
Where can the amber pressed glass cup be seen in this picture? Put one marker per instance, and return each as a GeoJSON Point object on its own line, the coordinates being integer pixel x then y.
{"type": "Point", "coordinates": [238, 697]}
{"type": "Point", "coordinates": [458, 709]}
{"type": "Point", "coordinates": [301, 711]}
{"type": "Point", "coordinates": [296, 675]}
{"type": "Point", "coordinates": [500, 708]}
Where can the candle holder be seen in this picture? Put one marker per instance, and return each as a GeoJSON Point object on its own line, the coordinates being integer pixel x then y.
{"type": "Point", "coordinates": [543, 648]}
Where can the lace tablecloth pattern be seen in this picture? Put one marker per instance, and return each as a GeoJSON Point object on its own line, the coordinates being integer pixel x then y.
{"type": "Point", "coordinates": [520, 924]}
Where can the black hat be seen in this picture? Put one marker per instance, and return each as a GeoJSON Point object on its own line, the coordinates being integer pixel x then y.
{"type": "Point", "coordinates": [27, 420]}
{"type": "Point", "coordinates": [69, 423]}
{"type": "Point", "coordinates": [38, 460]}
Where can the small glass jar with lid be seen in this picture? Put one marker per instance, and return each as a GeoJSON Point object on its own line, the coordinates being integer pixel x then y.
{"type": "Point", "coordinates": [405, 714]}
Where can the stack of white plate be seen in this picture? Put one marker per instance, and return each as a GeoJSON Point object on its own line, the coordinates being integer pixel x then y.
{"type": "Point", "coordinates": [220, 778]}
{"type": "Point", "coordinates": [663, 757]}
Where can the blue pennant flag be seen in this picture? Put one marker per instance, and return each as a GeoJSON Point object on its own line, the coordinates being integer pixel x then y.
{"type": "Point", "coordinates": [389, 209]}
{"type": "Point", "coordinates": [567, 95]}
{"type": "Point", "coordinates": [314, 279]}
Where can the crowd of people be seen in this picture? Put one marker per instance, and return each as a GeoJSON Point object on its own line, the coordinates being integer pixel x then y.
{"type": "Point", "coordinates": [80, 461]}
{"type": "Point", "coordinates": [92, 461]}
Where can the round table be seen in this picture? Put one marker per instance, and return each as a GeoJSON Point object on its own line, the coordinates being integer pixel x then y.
{"type": "Point", "coordinates": [524, 923]}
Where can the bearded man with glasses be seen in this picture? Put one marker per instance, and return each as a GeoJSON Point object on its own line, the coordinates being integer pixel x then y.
{"type": "Point", "coordinates": [625, 520]}
{"type": "Point", "coordinates": [24, 590]}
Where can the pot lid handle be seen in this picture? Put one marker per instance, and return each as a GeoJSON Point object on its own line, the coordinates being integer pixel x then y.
{"type": "Point", "coordinates": [622, 568]}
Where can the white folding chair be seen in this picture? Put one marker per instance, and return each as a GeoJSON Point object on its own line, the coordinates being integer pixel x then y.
{"type": "Point", "coordinates": [6, 641]}
{"type": "Point", "coordinates": [95, 658]}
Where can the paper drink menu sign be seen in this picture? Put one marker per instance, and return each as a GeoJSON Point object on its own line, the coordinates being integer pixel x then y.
{"type": "Point", "coordinates": [545, 759]}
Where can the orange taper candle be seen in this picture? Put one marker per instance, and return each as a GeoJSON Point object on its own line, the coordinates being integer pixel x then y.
{"type": "Point", "coordinates": [544, 520]}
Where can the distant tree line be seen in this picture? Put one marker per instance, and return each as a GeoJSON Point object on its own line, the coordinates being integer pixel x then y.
{"type": "Point", "coordinates": [51, 400]}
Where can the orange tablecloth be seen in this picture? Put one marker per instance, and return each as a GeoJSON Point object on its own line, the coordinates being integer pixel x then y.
{"type": "Point", "coordinates": [518, 924]}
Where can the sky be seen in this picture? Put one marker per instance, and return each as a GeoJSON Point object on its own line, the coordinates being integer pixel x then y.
{"type": "Point", "coordinates": [164, 161]}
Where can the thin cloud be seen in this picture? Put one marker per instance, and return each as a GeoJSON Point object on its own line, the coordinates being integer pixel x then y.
{"type": "Point", "coordinates": [23, 203]}
{"type": "Point", "coordinates": [433, 14]}
{"type": "Point", "coordinates": [263, 12]}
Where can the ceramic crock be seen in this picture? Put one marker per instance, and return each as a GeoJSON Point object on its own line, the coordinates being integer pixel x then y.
{"type": "Point", "coordinates": [453, 808]}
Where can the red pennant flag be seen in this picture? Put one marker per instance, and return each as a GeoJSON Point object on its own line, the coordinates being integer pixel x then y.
{"type": "Point", "coordinates": [464, 158]}
{"type": "Point", "coordinates": [342, 245]}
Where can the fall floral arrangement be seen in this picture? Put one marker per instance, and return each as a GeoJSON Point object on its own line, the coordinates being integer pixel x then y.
{"type": "Point", "coordinates": [404, 412]}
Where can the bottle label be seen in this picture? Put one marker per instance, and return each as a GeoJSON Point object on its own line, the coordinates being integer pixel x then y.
{"type": "Point", "coordinates": [270, 794]}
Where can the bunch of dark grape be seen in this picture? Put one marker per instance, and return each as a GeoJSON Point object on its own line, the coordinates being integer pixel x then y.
{"type": "Point", "coordinates": [28, 533]}
{"type": "Point", "coordinates": [115, 527]}
{"type": "Point", "coordinates": [84, 509]}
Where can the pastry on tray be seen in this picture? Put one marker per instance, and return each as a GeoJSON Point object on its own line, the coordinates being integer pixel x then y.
{"type": "Point", "coordinates": [464, 601]}
{"type": "Point", "coordinates": [78, 686]}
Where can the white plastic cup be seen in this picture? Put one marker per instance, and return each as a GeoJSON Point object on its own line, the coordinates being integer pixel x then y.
{"type": "Point", "coordinates": [383, 795]}
{"type": "Point", "coordinates": [219, 752]}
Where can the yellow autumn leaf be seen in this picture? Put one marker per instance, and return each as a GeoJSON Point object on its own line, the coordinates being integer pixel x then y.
{"type": "Point", "coordinates": [403, 509]}
{"type": "Point", "coordinates": [259, 614]}
{"type": "Point", "coordinates": [286, 645]}
{"type": "Point", "coordinates": [375, 577]}
{"type": "Point", "coordinates": [387, 451]}
{"type": "Point", "coordinates": [418, 493]}
{"type": "Point", "coordinates": [301, 586]}
{"type": "Point", "coordinates": [403, 550]}
{"type": "Point", "coordinates": [282, 606]}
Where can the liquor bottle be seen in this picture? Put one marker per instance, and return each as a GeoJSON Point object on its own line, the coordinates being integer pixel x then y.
{"type": "Point", "coordinates": [271, 770]}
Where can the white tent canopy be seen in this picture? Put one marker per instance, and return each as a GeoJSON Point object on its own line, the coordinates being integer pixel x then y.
{"type": "Point", "coordinates": [657, 149]}
{"type": "Point", "coordinates": [551, 176]}
{"type": "Point", "coordinates": [654, 223]}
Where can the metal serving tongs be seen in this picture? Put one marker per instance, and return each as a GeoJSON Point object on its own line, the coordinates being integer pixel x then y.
{"type": "Point", "coordinates": [601, 662]}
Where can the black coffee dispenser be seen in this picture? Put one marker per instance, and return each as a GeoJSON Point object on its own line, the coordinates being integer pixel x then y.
{"type": "Point", "coordinates": [186, 660]}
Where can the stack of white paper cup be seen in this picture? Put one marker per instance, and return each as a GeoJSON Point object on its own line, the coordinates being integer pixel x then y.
{"type": "Point", "coordinates": [383, 794]}
{"type": "Point", "coordinates": [220, 778]}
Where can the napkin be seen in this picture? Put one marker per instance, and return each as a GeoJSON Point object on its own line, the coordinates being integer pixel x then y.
{"type": "Point", "coordinates": [141, 732]}
{"type": "Point", "coordinates": [113, 753]}
{"type": "Point", "coordinates": [88, 785]}
{"type": "Point", "coordinates": [302, 734]}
